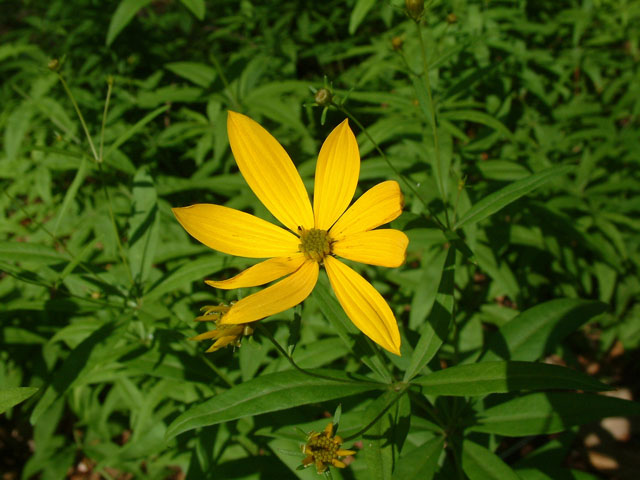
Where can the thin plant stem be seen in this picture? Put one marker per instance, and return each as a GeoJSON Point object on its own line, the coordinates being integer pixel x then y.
{"type": "Point", "coordinates": [104, 117]}
{"type": "Point", "coordinates": [224, 79]}
{"type": "Point", "coordinates": [432, 217]}
{"type": "Point", "coordinates": [79, 113]}
{"type": "Point", "coordinates": [42, 283]}
{"type": "Point", "coordinates": [55, 240]}
{"type": "Point", "coordinates": [98, 161]}
{"type": "Point", "coordinates": [419, 399]}
{"type": "Point", "coordinates": [401, 391]}
{"type": "Point", "coordinates": [283, 352]}
{"type": "Point", "coordinates": [383, 360]}
{"type": "Point", "coordinates": [223, 376]}
{"type": "Point", "coordinates": [436, 143]}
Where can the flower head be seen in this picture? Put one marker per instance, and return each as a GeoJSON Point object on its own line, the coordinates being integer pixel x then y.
{"type": "Point", "coordinates": [323, 449]}
{"type": "Point", "coordinates": [223, 334]}
{"type": "Point", "coordinates": [313, 237]}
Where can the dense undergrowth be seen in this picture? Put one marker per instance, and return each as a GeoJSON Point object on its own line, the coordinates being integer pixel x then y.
{"type": "Point", "coordinates": [536, 100]}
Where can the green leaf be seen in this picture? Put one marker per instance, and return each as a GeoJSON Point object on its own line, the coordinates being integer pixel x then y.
{"type": "Point", "coordinates": [481, 464]}
{"type": "Point", "coordinates": [269, 393]}
{"type": "Point", "coordinates": [503, 197]}
{"type": "Point", "coordinates": [131, 131]}
{"type": "Point", "coordinates": [29, 253]}
{"type": "Point", "coordinates": [383, 441]}
{"type": "Point", "coordinates": [479, 117]}
{"type": "Point", "coordinates": [71, 193]}
{"type": "Point", "coordinates": [345, 329]}
{"type": "Point", "coordinates": [122, 16]}
{"type": "Point", "coordinates": [75, 366]}
{"type": "Point", "coordinates": [358, 13]}
{"type": "Point", "coordinates": [197, 7]}
{"type": "Point", "coordinates": [182, 276]}
{"type": "Point", "coordinates": [538, 330]}
{"type": "Point", "coordinates": [143, 223]}
{"type": "Point", "coordinates": [421, 462]}
{"type": "Point", "coordinates": [198, 73]}
{"type": "Point", "coordinates": [542, 413]}
{"type": "Point", "coordinates": [10, 397]}
{"type": "Point", "coordinates": [437, 326]}
{"type": "Point", "coordinates": [502, 377]}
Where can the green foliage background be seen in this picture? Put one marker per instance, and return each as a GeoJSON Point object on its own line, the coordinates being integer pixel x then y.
{"type": "Point", "coordinates": [536, 181]}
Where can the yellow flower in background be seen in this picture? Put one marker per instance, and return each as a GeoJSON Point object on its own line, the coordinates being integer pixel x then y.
{"type": "Point", "coordinates": [323, 449]}
{"type": "Point", "coordinates": [314, 237]}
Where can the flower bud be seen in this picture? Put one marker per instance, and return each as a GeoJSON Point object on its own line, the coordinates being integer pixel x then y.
{"type": "Point", "coordinates": [323, 97]}
{"type": "Point", "coordinates": [414, 8]}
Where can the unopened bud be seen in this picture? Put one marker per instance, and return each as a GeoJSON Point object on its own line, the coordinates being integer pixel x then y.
{"type": "Point", "coordinates": [53, 64]}
{"type": "Point", "coordinates": [414, 8]}
{"type": "Point", "coordinates": [396, 43]}
{"type": "Point", "coordinates": [323, 97]}
{"type": "Point", "coordinates": [452, 18]}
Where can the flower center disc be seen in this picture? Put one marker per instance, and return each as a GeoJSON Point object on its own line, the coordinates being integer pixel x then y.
{"type": "Point", "coordinates": [315, 244]}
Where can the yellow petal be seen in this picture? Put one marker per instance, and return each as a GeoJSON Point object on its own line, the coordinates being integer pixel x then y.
{"type": "Point", "coordinates": [263, 272]}
{"type": "Point", "coordinates": [364, 305]}
{"type": "Point", "coordinates": [235, 232]}
{"type": "Point", "coordinates": [345, 453]}
{"type": "Point", "coordinates": [377, 206]}
{"type": "Point", "coordinates": [384, 247]}
{"type": "Point", "coordinates": [276, 298]}
{"type": "Point", "coordinates": [269, 171]}
{"type": "Point", "coordinates": [337, 173]}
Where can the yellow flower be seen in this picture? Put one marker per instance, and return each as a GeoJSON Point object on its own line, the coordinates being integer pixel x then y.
{"type": "Point", "coordinates": [314, 237]}
{"type": "Point", "coordinates": [223, 334]}
{"type": "Point", "coordinates": [324, 449]}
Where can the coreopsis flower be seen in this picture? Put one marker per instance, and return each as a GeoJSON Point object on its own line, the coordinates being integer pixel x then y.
{"type": "Point", "coordinates": [323, 449]}
{"type": "Point", "coordinates": [313, 237]}
{"type": "Point", "coordinates": [223, 334]}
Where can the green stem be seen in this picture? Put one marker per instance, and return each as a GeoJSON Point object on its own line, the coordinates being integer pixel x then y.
{"type": "Point", "coordinates": [79, 113]}
{"type": "Point", "coordinates": [115, 226]}
{"type": "Point", "coordinates": [104, 117]}
{"type": "Point", "coordinates": [48, 286]}
{"type": "Point", "coordinates": [225, 81]}
{"type": "Point", "coordinates": [55, 240]}
{"type": "Point", "coordinates": [432, 217]}
{"type": "Point", "coordinates": [283, 352]}
{"type": "Point", "coordinates": [364, 429]}
{"type": "Point", "coordinates": [98, 161]}
{"type": "Point", "coordinates": [432, 108]}
{"type": "Point", "coordinates": [383, 361]}
{"type": "Point", "coordinates": [427, 407]}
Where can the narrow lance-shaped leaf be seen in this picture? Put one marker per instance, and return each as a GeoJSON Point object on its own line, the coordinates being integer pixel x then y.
{"type": "Point", "coordinates": [142, 226]}
{"type": "Point", "coordinates": [542, 413]}
{"type": "Point", "coordinates": [122, 16]}
{"type": "Point", "coordinates": [538, 330]}
{"type": "Point", "coordinates": [9, 397]}
{"type": "Point", "coordinates": [502, 377]}
{"type": "Point", "coordinates": [71, 193]}
{"type": "Point", "coordinates": [420, 462]}
{"type": "Point", "coordinates": [437, 326]}
{"type": "Point", "coordinates": [334, 313]}
{"type": "Point", "coordinates": [481, 464]}
{"type": "Point", "coordinates": [503, 197]}
{"type": "Point", "coordinates": [269, 393]}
